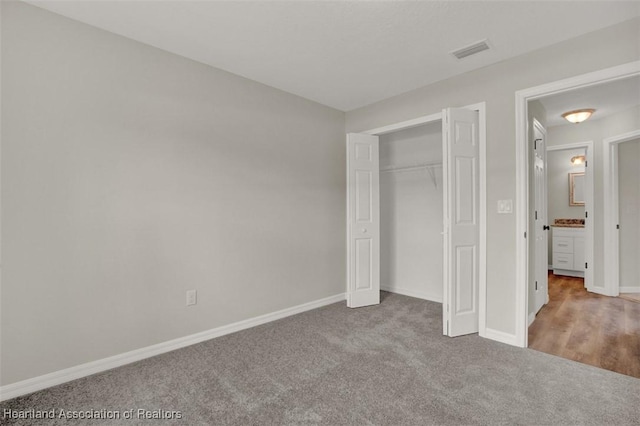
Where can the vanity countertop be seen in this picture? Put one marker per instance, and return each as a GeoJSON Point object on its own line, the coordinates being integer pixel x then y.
{"type": "Point", "coordinates": [568, 223]}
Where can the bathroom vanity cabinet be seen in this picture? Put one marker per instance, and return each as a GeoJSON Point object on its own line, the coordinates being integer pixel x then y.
{"type": "Point", "coordinates": [568, 251]}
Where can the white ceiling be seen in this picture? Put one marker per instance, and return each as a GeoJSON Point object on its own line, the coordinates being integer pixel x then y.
{"type": "Point", "coordinates": [345, 54]}
{"type": "Point", "coordinates": [606, 98]}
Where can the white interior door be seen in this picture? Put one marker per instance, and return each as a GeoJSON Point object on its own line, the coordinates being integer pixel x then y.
{"type": "Point", "coordinates": [541, 261]}
{"type": "Point", "coordinates": [461, 187]}
{"type": "Point", "coordinates": [363, 210]}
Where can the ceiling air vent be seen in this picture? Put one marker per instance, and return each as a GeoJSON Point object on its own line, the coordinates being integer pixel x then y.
{"type": "Point", "coordinates": [471, 49]}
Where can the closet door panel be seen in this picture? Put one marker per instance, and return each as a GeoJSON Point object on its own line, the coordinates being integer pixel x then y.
{"type": "Point", "coordinates": [461, 212]}
{"type": "Point", "coordinates": [363, 220]}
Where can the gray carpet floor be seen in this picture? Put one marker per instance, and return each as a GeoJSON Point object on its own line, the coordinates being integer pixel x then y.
{"type": "Point", "coordinates": [381, 365]}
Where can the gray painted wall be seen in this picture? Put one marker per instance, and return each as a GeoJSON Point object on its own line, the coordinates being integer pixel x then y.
{"type": "Point", "coordinates": [629, 214]}
{"type": "Point", "coordinates": [131, 175]}
{"type": "Point", "coordinates": [558, 168]}
{"type": "Point", "coordinates": [496, 84]}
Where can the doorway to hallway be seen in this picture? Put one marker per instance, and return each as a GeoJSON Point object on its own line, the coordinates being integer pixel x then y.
{"type": "Point", "coordinates": [587, 327]}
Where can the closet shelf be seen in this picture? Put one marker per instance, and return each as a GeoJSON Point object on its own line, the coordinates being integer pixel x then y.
{"type": "Point", "coordinates": [429, 167]}
{"type": "Point", "coordinates": [411, 167]}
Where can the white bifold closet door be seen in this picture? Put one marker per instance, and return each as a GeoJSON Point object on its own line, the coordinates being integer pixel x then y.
{"type": "Point", "coordinates": [461, 221]}
{"type": "Point", "coordinates": [363, 222]}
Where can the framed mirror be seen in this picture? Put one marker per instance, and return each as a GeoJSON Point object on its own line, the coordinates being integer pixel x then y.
{"type": "Point", "coordinates": [576, 189]}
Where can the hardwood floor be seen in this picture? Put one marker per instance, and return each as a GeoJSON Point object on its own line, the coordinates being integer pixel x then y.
{"type": "Point", "coordinates": [589, 328]}
{"type": "Point", "coordinates": [634, 297]}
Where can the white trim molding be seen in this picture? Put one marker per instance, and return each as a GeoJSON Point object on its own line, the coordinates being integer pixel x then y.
{"type": "Point", "coordinates": [404, 125]}
{"type": "Point", "coordinates": [589, 206]}
{"type": "Point", "coordinates": [482, 285]}
{"type": "Point", "coordinates": [611, 213]}
{"type": "Point", "coordinates": [522, 97]}
{"type": "Point", "coordinates": [501, 336]}
{"type": "Point", "coordinates": [68, 374]}
{"type": "Point", "coordinates": [566, 146]}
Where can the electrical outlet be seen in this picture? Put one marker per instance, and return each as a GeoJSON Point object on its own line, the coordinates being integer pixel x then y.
{"type": "Point", "coordinates": [505, 206]}
{"type": "Point", "coordinates": [192, 297]}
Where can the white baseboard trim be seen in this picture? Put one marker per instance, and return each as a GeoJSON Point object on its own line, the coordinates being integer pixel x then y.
{"type": "Point", "coordinates": [58, 377]}
{"type": "Point", "coordinates": [532, 317]}
{"type": "Point", "coordinates": [501, 336]}
{"type": "Point", "coordinates": [411, 293]}
{"type": "Point", "coordinates": [629, 290]}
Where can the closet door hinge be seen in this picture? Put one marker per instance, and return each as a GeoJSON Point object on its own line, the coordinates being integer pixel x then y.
{"type": "Point", "coordinates": [586, 265]}
{"type": "Point", "coordinates": [536, 285]}
{"type": "Point", "coordinates": [586, 214]}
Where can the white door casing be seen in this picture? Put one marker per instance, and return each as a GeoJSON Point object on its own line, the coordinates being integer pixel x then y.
{"type": "Point", "coordinates": [589, 210]}
{"type": "Point", "coordinates": [461, 227]}
{"type": "Point", "coordinates": [611, 285]}
{"type": "Point", "coordinates": [522, 97]}
{"type": "Point", "coordinates": [363, 221]}
{"type": "Point", "coordinates": [540, 222]}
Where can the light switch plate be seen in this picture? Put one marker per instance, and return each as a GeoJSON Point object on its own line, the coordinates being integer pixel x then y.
{"type": "Point", "coordinates": [505, 206]}
{"type": "Point", "coordinates": [192, 297]}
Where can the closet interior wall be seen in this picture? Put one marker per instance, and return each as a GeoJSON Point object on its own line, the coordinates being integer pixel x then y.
{"type": "Point", "coordinates": [411, 212]}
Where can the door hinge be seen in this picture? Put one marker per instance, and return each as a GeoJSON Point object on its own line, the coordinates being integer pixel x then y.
{"type": "Point", "coordinates": [525, 234]}
{"type": "Point", "coordinates": [618, 226]}
{"type": "Point", "coordinates": [536, 285]}
{"type": "Point", "coordinates": [536, 214]}
{"type": "Point", "coordinates": [586, 214]}
{"type": "Point", "coordinates": [586, 265]}
{"type": "Point", "coordinates": [535, 143]}
{"type": "Point", "coordinates": [586, 163]}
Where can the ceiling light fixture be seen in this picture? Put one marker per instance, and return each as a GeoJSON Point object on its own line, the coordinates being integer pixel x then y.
{"type": "Point", "coordinates": [578, 116]}
{"type": "Point", "coordinates": [578, 159]}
